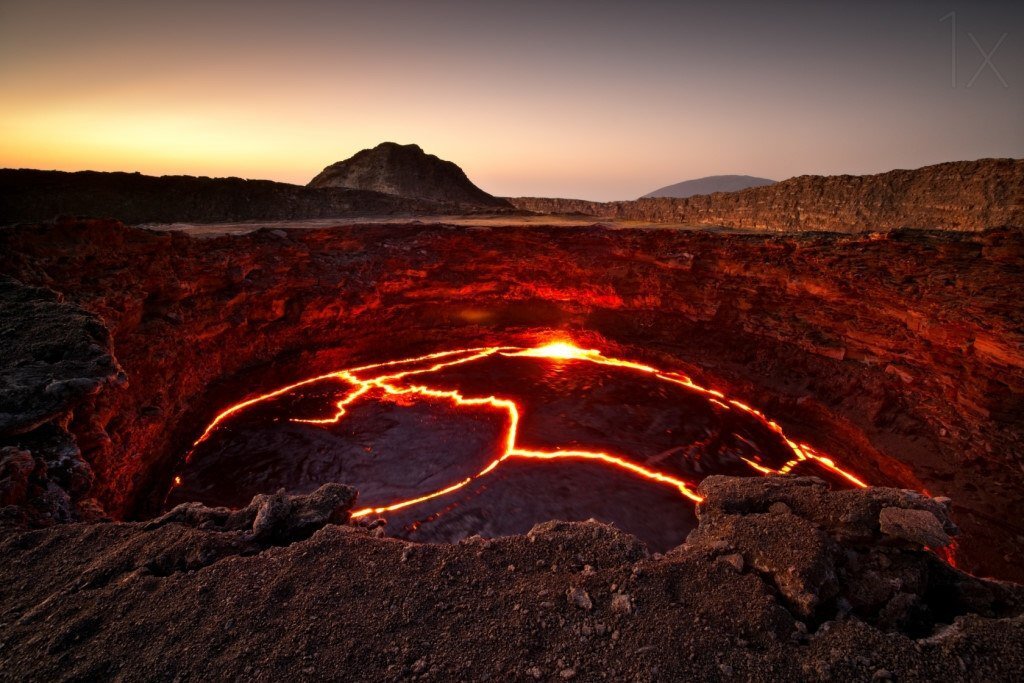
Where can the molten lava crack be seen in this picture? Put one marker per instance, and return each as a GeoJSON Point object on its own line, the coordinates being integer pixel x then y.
{"type": "Point", "coordinates": [390, 379]}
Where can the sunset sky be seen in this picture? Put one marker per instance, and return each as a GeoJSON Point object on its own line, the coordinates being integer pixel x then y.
{"type": "Point", "coordinates": [597, 100]}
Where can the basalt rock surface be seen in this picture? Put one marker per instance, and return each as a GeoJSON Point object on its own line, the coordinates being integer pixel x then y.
{"type": "Point", "coordinates": [57, 354]}
{"type": "Point", "coordinates": [961, 195]}
{"type": "Point", "coordinates": [57, 358]}
{"type": "Point", "coordinates": [900, 355]}
{"type": "Point", "coordinates": [405, 171]}
{"type": "Point", "coordinates": [188, 598]}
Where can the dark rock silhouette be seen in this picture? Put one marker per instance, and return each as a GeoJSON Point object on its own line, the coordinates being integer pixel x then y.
{"type": "Point", "coordinates": [31, 195]}
{"type": "Point", "coordinates": [405, 171]}
{"type": "Point", "coordinates": [57, 354]}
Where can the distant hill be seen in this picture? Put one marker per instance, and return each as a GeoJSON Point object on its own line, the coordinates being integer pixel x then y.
{"type": "Point", "coordinates": [405, 171]}
{"type": "Point", "coordinates": [31, 195]}
{"type": "Point", "coordinates": [709, 185]}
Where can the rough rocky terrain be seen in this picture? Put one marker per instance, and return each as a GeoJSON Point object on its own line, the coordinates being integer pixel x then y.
{"type": "Point", "coordinates": [960, 195]}
{"type": "Point", "coordinates": [57, 356]}
{"type": "Point", "coordinates": [783, 580]}
{"type": "Point", "coordinates": [901, 354]}
{"type": "Point", "coordinates": [30, 195]}
{"type": "Point", "coordinates": [405, 171]}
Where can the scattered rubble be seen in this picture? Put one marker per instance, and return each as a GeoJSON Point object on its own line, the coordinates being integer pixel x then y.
{"type": "Point", "coordinates": [197, 595]}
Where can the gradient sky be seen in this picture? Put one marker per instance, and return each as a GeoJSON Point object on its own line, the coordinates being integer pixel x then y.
{"type": "Point", "coordinates": [598, 100]}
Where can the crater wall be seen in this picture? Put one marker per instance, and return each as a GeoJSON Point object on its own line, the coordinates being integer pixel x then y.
{"type": "Point", "coordinates": [901, 354]}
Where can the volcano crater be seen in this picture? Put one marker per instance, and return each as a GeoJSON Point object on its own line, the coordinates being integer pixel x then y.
{"type": "Point", "coordinates": [894, 383]}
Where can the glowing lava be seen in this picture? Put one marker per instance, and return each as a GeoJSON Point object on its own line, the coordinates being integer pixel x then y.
{"type": "Point", "coordinates": [399, 378]}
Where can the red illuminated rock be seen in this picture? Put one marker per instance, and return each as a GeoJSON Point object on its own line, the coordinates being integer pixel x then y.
{"type": "Point", "coordinates": [758, 317]}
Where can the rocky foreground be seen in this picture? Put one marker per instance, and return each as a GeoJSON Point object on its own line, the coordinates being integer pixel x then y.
{"type": "Point", "coordinates": [782, 580]}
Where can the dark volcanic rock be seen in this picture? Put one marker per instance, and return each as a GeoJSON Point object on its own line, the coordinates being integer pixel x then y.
{"type": "Point", "coordinates": [55, 355]}
{"type": "Point", "coordinates": [30, 195]}
{"type": "Point", "coordinates": [16, 469]}
{"type": "Point", "coordinates": [919, 527]}
{"type": "Point", "coordinates": [170, 601]}
{"type": "Point", "coordinates": [405, 171]}
{"type": "Point", "coordinates": [960, 195]}
{"type": "Point", "coordinates": [270, 518]}
{"type": "Point", "coordinates": [782, 579]}
{"type": "Point", "coordinates": [899, 355]}
{"type": "Point", "coordinates": [57, 358]}
{"type": "Point", "coordinates": [798, 535]}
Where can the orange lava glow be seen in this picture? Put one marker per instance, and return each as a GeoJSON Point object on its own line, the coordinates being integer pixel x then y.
{"type": "Point", "coordinates": [384, 378]}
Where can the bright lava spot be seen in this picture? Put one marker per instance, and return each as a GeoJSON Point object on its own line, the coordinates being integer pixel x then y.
{"type": "Point", "coordinates": [405, 379]}
{"type": "Point", "coordinates": [563, 350]}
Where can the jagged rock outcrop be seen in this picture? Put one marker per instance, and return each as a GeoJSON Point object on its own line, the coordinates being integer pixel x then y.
{"type": "Point", "coordinates": [798, 535]}
{"type": "Point", "coordinates": [961, 196]}
{"type": "Point", "coordinates": [568, 601]}
{"type": "Point", "coordinates": [57, 358]}
{"type": "Point", "coordinates": [276, 518]}
{"type": "Point", "coordinates": [30, 195]}
{"type": "Point", "coordinates": [405, 171]}
{"type": "Point", "coordinates": [56, 355]}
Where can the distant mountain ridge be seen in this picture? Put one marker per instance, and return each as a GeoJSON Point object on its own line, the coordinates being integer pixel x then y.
{"type": "Point", "coordinates": [388, 179]}
{"type": "Point", "coordinates": [709, 185]}
{"type": "Point", "coordinates": [405, 171]}
{"type": "Point", "coordinates": [963, 196]}
{"type": "Point", "coordinates": [32, 195]}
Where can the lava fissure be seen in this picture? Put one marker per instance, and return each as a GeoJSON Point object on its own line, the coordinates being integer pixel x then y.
{"type": "Point", "coordinates": [390, 384]}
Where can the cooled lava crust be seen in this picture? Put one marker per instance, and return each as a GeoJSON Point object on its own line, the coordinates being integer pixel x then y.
{"type": "Point", "coordinates": [494, 440]}
{"type": "Point", "coordinates": [900, 355]}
